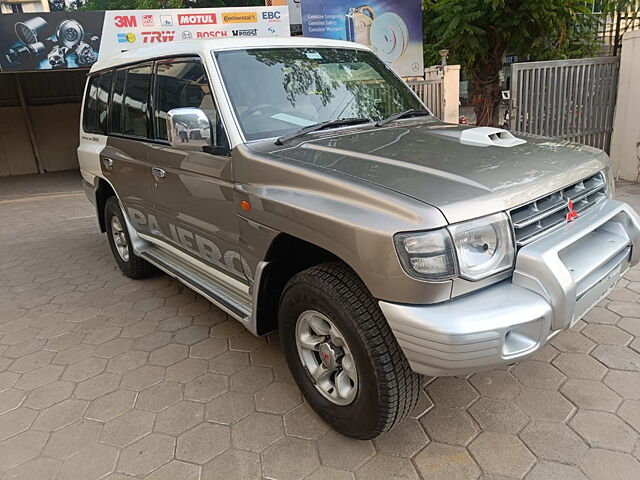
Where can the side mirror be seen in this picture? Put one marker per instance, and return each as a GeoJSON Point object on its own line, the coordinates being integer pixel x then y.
{"type": "Point", "coordinates": [188, 129]}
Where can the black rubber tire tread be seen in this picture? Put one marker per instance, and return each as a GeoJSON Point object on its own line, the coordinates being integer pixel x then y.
{"type": "Point", "coordinates": [136, 267]}
{"type": "Point", "coordinates": [398, 386]}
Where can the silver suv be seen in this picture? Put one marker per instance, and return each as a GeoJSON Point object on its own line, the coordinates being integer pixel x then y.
{"type": "Point", "coordinates": [301, 186]}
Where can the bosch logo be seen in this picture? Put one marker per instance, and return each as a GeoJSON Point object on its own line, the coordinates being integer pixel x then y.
{"type": "Point", "coordinates": [197, 19]}
{"type": "Point", "coordinates": [158, 36]}
{"type": "Point", "coordinates": [125, 21]}
{"type": "Point", "coordinates": [271, 16]}
{"type": "Point", "coordinates": [212, 34]}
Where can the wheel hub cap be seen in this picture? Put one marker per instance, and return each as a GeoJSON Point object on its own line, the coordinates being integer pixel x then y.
{"type": "Point", "coordinates": [326, 356]}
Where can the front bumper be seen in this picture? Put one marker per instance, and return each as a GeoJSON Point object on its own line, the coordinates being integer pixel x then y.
{"type": "Point", "coordinates": [556, 281]}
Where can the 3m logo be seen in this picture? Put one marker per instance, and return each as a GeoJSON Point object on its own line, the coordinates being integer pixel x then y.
{"type": "Point", "coordinates": [240, 17]}
{"type": "Point", "coordinates": [125, 21]}
{"type": "Point", "coordinates": [197, 19]}
{"type": "Point", "coordinates": [158, 36]}
{"type": "Point", "coordinates": [271, 16]}
{"type": "Point", "coordinates": [212, 34]}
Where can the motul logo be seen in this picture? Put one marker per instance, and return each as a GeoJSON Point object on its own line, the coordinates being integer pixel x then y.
{"type": "Point", "coordinates": [197, 19]}
{"type": "Point", "coordinates": [158, 36]}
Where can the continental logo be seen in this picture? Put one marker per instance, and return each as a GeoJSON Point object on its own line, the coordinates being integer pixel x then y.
{"type": "Point", "coordinates": [240, 17]}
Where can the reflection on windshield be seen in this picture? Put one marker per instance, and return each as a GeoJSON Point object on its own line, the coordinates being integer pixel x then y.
{"type": "Point", "coordinates": [281, 90]}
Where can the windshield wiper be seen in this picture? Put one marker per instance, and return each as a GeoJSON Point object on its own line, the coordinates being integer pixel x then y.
{"type": "Point", "coordinates": [339, 122]}
{"type": "Point", "coordinates": [407, 113]}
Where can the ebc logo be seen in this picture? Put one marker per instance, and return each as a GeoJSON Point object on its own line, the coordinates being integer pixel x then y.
{"type": "Point", "coordinates": [271, 16]}
{"type": "Point", "coordinates": [240, 17]}
{"type": "Point", "coordinates": [212, 34]}
{"type": "Point", "coordinates": [125, 21]}
{"type": "Point", "coordinates": [198, 19]}
{"type": "Point", "coordinates": [158, 36]}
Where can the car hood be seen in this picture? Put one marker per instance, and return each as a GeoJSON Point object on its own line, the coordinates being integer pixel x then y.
{"type": "Point", "coordinates": [429, 161]}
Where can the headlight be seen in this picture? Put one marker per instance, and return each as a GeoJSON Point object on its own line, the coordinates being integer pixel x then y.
{"type": "Point", "coordinates": [478, 248]}
{"type": "Point", "coordinates": [484, 246]}
{"type": "Point", "coordinates": [427, 255]}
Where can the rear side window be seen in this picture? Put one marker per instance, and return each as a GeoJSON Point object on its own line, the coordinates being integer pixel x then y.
{"type": "Point", "coordinates": [115, 115]}
{"type": "Point", "coordinates": [89, 115]}
{"type": "Point", "coordinates": [136, 98]}
{"type": "Point", "coordinates": [102, 102]}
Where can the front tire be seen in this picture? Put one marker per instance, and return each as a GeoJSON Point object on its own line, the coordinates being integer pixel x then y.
{"type": "Point", "coordinates": [342, 353]}
{"type": "Point", "coordinates": [120, 242]}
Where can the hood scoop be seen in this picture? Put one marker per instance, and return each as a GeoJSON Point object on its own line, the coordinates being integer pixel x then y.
{"type": "Point", "coordinates": [489, 137]}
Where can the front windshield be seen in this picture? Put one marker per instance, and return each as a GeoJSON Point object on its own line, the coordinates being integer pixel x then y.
{"type": "Point", "coordinates": [277, 91]}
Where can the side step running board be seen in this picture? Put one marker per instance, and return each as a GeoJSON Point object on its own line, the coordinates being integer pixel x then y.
{"type": "Point", "coordinates": [212, 290]}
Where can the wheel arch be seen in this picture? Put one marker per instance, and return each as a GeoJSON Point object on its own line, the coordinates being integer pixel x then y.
{"type": "Point", "coordinates": [286, 256]}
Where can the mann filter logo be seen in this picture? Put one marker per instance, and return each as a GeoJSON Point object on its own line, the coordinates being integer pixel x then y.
{"type": "Point", "coordinates": [125, 21]}
{"type": "Point", "coordinates": [126, 37]}
{"type": "Point", "coordinates": [212, 34]}
{"type": "Point", "coordinates": [240, 17]}
{"type": "Point", "coordinates": [158, 36]}
{"type": "Point", "coordinates": [192, 242]}
{"type": "Point", "coordinates": [197, 19]}
{"type": "Point", "coordinates": [247, 32]}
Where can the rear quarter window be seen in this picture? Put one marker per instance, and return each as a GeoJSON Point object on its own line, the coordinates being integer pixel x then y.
{"type": "Point", "coordinates": [90, 112]}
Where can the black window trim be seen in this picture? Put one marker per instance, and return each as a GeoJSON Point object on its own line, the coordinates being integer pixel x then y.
{"type": "Point", "coordinates": [150, 138]}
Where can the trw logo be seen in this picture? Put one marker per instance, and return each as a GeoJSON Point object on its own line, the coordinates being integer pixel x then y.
{"type": "Point", "coordinates": [197, 19]}
{"type": "Point", "coordinates": [125, 21]}
{"type": "Point", "coordinates": [158, 36]}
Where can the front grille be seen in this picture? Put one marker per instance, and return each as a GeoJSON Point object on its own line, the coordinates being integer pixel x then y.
{"type": "Point", "coordinates": [541, 216]}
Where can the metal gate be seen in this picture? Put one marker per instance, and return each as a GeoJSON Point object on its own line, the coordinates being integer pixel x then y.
{"type": "Point", "coordinates": [431, 93]}
{"type": "Point", "coordinates": [565, 99]}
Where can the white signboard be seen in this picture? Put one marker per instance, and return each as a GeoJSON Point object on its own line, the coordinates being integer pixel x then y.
{"type": "Point", "coordinates": [130, 29]}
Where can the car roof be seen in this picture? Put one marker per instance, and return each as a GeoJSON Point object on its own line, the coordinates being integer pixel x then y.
{"type": "Point", "coordinates": [203, 47]}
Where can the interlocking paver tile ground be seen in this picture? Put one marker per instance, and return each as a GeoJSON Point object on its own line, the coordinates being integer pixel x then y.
{"type": "Point", "coordinates": [103, 377]}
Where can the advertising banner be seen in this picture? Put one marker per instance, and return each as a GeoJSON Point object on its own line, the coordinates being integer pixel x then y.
{"type": "Point", "coordinates": [391, 28]}
{"type": "Point", "coordinates": [44, 41]}
{"type": "Point", "coordinates": [295, 12]}
{"type": "Point", "coordinates": [130, 29]}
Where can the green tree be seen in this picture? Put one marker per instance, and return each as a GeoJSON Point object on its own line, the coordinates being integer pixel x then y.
{"type": "Point", "coordinates": [479, 33]}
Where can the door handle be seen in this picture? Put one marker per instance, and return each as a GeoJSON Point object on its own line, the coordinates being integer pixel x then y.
{"type": "Point", "coordinates": [108, 163]}
{"type": "Point", "coordinates": [158, 172]}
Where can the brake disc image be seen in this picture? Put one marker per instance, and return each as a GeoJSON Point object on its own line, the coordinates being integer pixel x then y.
{"type": "Point", "coordinates": [359, 21]}
{"type": "Point", "coordinates": [34, 30]}
{"type": "Point", "coordinates": [69, 33]}
{"type": "Point", "coordinates": [389, 36]}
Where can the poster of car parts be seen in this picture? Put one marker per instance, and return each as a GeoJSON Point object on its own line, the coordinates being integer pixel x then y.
{"type": "Point", "coordinates": [391, 28]}
{"type": "Point", "coordinates": [129, 29]}
{"type": "Point", "coordinates": [44, 41]}
{"type": "Point", "coordinates": [59, 40]}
